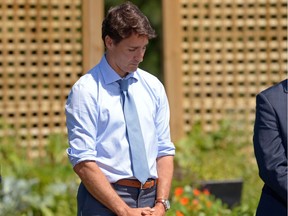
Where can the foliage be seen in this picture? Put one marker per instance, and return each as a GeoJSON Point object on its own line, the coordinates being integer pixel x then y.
{"type": "Point", "coordinates": [219, 155]}
{"type": "Point", "coordinates": [43, 186]}
{"type": "Point", "coordinates": [24, 197]}
{"type": "Point", "coordinates": [221, 147]}
{"type": "Point", "coordinates": [194, 202]}
{"type": "Point", "coordinates": [48, 186]}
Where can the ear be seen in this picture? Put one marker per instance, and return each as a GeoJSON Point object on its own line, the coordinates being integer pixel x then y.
{"type": "Point", "coordinates": [108, 41]}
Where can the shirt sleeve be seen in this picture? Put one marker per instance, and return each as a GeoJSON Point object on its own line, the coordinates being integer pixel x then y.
{"type": "Point", "coordinates": [269, 147]}
{"type": "Point", "coordinates": [81, 113]}
{"type": "Point", "coordinates": [165, 146]}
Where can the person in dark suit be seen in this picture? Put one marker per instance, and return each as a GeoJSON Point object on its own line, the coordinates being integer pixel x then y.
{"type": "Point", "coordinates": [270, 148]}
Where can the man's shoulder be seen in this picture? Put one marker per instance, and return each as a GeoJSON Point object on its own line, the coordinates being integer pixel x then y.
{"type": "Point", "coordinates": [87, 83]}
{"type": "Point", "coordinates": [142, 74]}
{"type": "Point", "coordinates": [275, 95]}
{"type": "Point", "coordinates": [89, 76]}
{"type": "Point", "coordinates": [275, 89]}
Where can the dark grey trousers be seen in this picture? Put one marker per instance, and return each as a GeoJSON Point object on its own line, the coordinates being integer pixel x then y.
{"type": "Point", "coordinates": [135, 198]}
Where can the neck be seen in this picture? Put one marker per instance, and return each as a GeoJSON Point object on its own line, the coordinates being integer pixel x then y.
{"type": "Point", "coordinates": [114, 66]}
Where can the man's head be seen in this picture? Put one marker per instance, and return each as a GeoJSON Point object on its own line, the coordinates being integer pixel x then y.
{"type": "Point", "coordinates": [124, 20]}
{"type": "Point", "coordinates": [126, 32]}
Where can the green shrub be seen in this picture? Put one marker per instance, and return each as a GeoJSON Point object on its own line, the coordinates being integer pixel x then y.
{"type": "Point", "coordinates": [194, 202]}
{"type": "Point", "coordinates": [47, 185]}
{"type": "Point", "coordinates": [44, 186]}
{"type": "Point", "coordinates": [26, 197]}
{"type": "Point", "coordinates": [221, 155]}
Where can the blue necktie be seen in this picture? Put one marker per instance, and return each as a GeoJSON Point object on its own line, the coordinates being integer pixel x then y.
{"type": "Point", "coordinates": [137, 148]}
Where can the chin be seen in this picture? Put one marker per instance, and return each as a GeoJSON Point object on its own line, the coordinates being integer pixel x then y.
{"type": "Point", "coordinates": [132, 69]}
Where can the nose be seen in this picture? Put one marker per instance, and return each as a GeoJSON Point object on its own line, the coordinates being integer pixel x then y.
{"type": "Point", "coordinates": [140, 55]}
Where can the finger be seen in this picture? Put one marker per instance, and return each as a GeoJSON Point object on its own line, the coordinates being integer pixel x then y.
{"type": "Point", "coordinates": [147, 211]}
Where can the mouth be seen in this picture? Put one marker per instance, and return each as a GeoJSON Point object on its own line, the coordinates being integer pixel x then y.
{"type": "Point", "coordinates": [134, 64]}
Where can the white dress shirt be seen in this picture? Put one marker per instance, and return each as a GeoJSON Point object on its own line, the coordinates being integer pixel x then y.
{"type": "Point", "coordinates": [96, 125]}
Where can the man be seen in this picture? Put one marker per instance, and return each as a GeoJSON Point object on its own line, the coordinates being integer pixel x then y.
{"type": "Point", "coordinates": [100, 150]}
{"type": "Point", "coordinates": [270, 146]}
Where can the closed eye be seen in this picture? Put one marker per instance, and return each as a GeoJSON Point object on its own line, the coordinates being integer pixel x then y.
{"type": "Point", "coordinates": [132, 49]}
{"type": "Point", "coordinates": [135, 49]}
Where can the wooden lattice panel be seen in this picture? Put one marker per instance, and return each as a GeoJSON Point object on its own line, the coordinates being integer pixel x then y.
{"type": "Point", "coordinates": [40, 59]}
{"type": "Point", "coordinates": [231, 50]}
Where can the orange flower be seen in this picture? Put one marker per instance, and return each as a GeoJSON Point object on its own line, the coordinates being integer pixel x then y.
{"type": "Point", "coordinates": [206, 192]}
{"type": "Point", "coordinates": [196, 192]}
{"type": "Point", "coordinates": [178, 191]}
{"type": "Point", "coordinates": [184, 200]}
{"type": "Point", "coordinates": [208, 204]}
{"type": "Point", "coordinates": [195, 202]}
{"type": "Point", "coordinates": [178, 213]}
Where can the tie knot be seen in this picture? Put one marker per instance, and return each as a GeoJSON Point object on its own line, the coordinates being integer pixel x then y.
{"type": "Point", "coordinates": [123, 84]}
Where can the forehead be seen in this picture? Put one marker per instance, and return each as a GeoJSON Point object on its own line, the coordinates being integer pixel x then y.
{"type": "Point", "coordinates": [135, 41]}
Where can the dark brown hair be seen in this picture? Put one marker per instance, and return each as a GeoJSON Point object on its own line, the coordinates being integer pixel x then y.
{"type": "Point", "coordinates": [124, 20]}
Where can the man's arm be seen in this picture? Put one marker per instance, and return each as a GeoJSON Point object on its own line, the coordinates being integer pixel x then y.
{"type": "Point", "coordinates": [165, 169]}
{"type": "Point", "coordinates": [269, 149]}
{"type": "Point", "coordinates": [100, 188]}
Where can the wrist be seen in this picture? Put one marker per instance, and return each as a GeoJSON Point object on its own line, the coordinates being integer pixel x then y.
{"type": "Point", "coordinates": [160, 205]}
{"type": "Point", "coordinates": [164, 202]}
{"type": "Point", "coordinates": [122, 210]}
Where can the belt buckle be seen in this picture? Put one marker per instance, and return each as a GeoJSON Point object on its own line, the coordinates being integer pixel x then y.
{"type": "Point", "coordinates": [141, 185]}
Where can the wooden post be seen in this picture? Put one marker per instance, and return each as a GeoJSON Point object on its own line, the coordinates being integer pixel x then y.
{"type": "Point", "coordinates": [172, 65]}
{"type": "Point", "coordinates": [93, 13]}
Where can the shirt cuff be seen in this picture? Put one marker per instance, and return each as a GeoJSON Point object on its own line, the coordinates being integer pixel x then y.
{"type": "Point", "coordinates": [76, 158]}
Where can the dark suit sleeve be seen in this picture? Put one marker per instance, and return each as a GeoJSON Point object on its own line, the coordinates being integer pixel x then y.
{"type": "Point", "coordinates": [268, 146]}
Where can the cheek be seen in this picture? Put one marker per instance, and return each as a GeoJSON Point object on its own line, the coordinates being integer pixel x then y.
{"type": "Point", "coordinates": [127, 57]}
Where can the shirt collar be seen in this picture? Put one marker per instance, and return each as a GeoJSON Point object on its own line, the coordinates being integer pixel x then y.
{"type": "Point", "coordinates": [110, 75]}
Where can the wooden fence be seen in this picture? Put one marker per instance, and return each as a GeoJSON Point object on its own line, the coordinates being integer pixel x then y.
{"type": "Point", "coordinates": [43, 51]}
{"type": "Point", "coordinates": [218, 54]}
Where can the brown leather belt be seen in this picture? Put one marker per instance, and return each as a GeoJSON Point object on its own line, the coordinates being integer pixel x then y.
{"type": "Point", "coordinates": [137, 184]}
